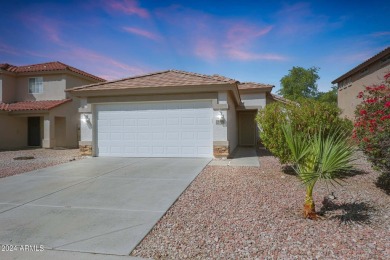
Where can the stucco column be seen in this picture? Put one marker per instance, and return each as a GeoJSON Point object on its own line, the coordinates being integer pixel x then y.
{"type": "Point", "coordinates": [86, 119]}
{"type": "Point", "coordinates": [48, 132]}
{"type": "Point", "coordinates": [220, 138]}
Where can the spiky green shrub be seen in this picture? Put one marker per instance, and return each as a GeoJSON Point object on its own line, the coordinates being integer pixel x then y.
{"type": "Point", "coordinates": [318, 156]}
{"type": "Point", "coordinates": [306, 116]}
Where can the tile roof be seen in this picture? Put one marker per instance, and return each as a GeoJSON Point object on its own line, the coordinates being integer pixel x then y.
{"type": "Point", "coordinates": [168, 78]}
{"type": "Point", "coordinates": [371, 60]}
{"type": "Point", "coordinates": [282, 99]}
{"type": "Point", "coordinates": [49, 66]}
{"type": "Point", "coordinates": [33, 105]}
{"type": "Point", "coordinates": [253, 85]}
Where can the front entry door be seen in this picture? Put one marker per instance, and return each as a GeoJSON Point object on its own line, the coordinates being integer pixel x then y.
{"type": "Point", "coordinates": [247, 128]}
{"type": "Point", "coordinates": [34, 131]}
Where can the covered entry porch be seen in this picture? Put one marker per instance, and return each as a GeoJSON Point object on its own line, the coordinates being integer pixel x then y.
{"type": "Point", "coordinates": [247, 128]}
{"type": "Point", "coordinates": [45, 124]}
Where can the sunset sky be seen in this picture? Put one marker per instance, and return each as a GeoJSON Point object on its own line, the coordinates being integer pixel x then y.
{"type": "Point", "coordinates": [245, 40]}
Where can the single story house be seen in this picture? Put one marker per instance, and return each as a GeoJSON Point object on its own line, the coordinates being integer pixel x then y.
{"type": "Point", "coordinates": [170, 113]}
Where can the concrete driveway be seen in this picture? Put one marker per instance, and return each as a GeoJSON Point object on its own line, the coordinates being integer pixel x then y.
{"type": "Point", "coordinates": [96, 205]}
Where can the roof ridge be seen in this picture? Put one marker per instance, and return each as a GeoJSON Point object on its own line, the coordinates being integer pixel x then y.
{"type": "Point", "coordinates": [155, 73]}
{"type": "Point", "coordinates": [258, 83]}
{"type": "Point", "coordinates": [38, 64]}
{"type": "Point", "coordinates": [118, 80]}
{"type": "Point", "coordinates": [51, 66]}
{"type": "Point", "coordinates": [205, 75]}
{"type": "Point", "coordinates": [79, 71]}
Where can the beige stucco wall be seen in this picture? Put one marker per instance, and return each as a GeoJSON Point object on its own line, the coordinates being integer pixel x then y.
{"type": "Point", "coordinates": [253, 98]}
{"type": "Point", "coordinates": [13, 131]}
{"type": "Point", "coordinates": [74, 81]}
{"type": "Point", "coordinates": [53, 88]}
{"type": "Point", "coordinates": [13, 128]}
{"type": "Point", "coordinates": [232, 127]}
{"type": "Point", "coordinates": [347, 96]}
{"type": "Point", "coordinates": [70, 112]}
{"type": "Point", "coordinates": [7, 88]}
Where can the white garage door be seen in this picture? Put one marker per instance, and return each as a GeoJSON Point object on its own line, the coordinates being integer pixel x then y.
{"type": "Point", "coordinates": [155, 129]}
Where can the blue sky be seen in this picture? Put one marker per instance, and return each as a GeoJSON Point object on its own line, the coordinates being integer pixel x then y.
{"type": "Point", "coordinates": [246, 40]}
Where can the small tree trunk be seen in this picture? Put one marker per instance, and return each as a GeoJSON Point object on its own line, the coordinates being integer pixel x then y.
{"type": "Point", "coordinates": [309, 209]}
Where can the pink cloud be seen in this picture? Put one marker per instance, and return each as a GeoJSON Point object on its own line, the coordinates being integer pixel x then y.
{"type": "Point", "coordinates": [241, 37]}
{"type": "Point", "coordinates": [51, 31]}
{"type": "Point", "coordinates": [240, 34]}
{"type": "Point", "coordinates": [142, 33]}
{"type": "Point", "coordinates": [4, 48]}
{"type": "Point", "coordinates": [248, 56]}
{"type": "Point", "coordinates": [299, 18]}
{"type": "Point", "coordinates": [47, 28]}
{"type": "Point", "coordinates": [103, 65]}
{"type": "Point", "coordinates": [206, 49]}
{"type": "Point", "coordinates": [209, 37]}
{"type": "Point", "coordinates": [130, 7]}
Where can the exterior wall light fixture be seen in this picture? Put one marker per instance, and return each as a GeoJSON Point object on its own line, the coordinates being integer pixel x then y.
{"type": "Point", "coordinates": [220, 119]}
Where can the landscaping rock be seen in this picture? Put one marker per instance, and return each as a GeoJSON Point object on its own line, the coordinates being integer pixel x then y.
{"type": "Point", "coordinates": [20, 161]}
{"type": "Point", "coordinates": [253, 213]}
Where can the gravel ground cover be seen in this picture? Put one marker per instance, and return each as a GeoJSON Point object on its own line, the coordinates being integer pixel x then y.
{"type": "Point", "coordinates": [42, 158]}
{"type": "Point", "coordinates": [256, 213]}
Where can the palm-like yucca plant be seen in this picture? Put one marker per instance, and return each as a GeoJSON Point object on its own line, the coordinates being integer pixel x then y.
{"type": "Point", "coordinates": [318, 157]}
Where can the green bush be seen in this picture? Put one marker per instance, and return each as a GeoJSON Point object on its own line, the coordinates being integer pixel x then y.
{"type": "Point", "coordinates": [306, 116]}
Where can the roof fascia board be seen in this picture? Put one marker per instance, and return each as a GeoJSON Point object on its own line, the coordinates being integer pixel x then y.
{"type": "Point", "coordinates": [361, 66]}
{"type": "Point", "coordinates": [255, 90]}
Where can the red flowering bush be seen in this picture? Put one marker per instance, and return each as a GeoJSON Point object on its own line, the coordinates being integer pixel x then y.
{"type": "Point", "coordinates": [372, 125]}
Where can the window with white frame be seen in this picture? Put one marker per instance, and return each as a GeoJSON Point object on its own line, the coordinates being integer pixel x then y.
{"type": "Point", "coordinates": [35, 85]}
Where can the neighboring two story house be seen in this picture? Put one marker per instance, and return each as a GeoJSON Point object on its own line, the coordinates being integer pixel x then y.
{"type": "Point", "coordinates": [354, 81]}
{"type": "Point", "coordinates": [35, 110]}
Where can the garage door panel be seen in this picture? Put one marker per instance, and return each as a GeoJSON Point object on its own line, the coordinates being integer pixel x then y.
{"type": "Point", "coordinates": [173, 121]}
{"type": "Point", "coordinates": [159, 129]}
{"type": "Point", "coordinates": [129, 136]}
{"type": "Point", "coordinates": [202, 121]}
{"type": "Point", "coordinates": [157, 122]}
{"type": "Point", "coordinates": [158, 136]}
{"type": "Point", "coordinates": [129, 122]}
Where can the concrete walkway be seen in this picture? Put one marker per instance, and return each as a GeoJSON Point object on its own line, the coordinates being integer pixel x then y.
{"type": "Point", "coordinates": [242, 156]}
{"type": "Point", "coordinates": [97, 205]}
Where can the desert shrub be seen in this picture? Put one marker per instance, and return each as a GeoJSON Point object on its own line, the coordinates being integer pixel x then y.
{"type": "Point", "coordinates": [306, 116]}
{"type": "Point", "coordinates": [318, 157]}
{"type": "Point", "coordinates": [372, 125]}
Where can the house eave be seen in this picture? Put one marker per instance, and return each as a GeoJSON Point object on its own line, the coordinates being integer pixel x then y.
{"type": "Point", "coordinates": [363, 65]}
{"type": "Point", "coordinates": [159, 90]}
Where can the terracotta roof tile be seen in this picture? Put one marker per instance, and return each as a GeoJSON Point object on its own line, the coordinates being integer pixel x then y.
{"type": "Point", "coordinates": [33, 105]}
{"type": "Point", "coordinates": [282, 99]}
{"type": "Point", "coordinates": [253, 85]}
{"type": "Point", "coordinates": [49, 66]}
{"type": "Point", "coordinates": [168, 78]}
{"type": "Point", "coordinates": [371, 60]}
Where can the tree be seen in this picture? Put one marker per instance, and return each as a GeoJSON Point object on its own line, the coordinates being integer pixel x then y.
{"type": "Point", "coordinates": [318, 157]}
{"type": "Point", "coordinates": [329, 97]}
{"type": "Point", "coordinates": [300, 82]}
